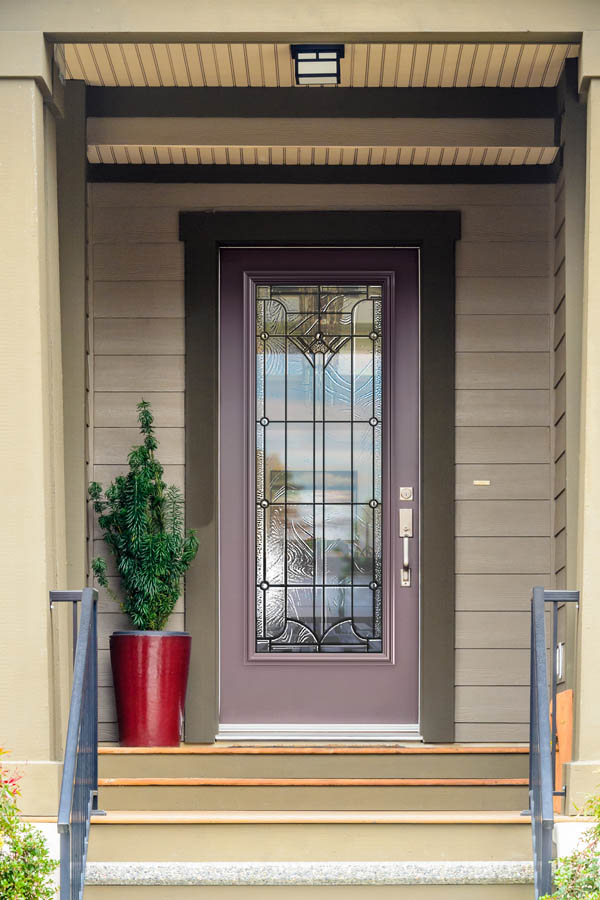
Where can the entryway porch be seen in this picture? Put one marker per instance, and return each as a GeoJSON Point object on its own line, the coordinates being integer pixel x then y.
{"type": "Point", "coordinates": [362, 805]}
{"type": "Point", "coordinates": [512, 446]}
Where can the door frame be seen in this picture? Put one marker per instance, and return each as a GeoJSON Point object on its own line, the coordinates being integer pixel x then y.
{"type": "Point", "coordinates": [435, 234]}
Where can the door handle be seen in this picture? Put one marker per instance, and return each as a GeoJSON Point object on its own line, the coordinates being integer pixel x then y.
{"type": "Point", "coordinates": [405, 576]}
{"type": "Point", "coordinates": [405, 527]}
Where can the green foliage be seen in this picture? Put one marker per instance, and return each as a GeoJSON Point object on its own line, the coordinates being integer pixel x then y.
{"type": "Point", "coordinates": [142, 523]}
{"type": "Point", "coordinates": [577, 876]}
{"type": "Point", "coordinates": [25, 864]}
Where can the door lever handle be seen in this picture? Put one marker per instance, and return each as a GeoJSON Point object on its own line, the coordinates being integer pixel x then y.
{"type": "Point", "coordinates": [405, 523]}
{"type": "Point", "coordinates": [405, 576]}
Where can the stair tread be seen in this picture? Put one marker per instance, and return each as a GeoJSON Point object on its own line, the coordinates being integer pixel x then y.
{"type": "Point", "coordinates": [188, 781]}
{"type": "Point", "coordinates": [441, 817]}
{"type": "Point", "coordinates": [208, 817]}
{"type": "Point", "coordinates": [316, 750]}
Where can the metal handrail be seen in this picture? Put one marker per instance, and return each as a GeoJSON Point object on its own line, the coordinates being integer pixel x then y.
{"type": "Point", "coordinates": [79, 788]}
{"type": "Point", "coordinates": [543, 738]}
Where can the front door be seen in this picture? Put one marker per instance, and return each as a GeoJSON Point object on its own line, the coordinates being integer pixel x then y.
{"type": "Point", "coordinates": [319, 493]}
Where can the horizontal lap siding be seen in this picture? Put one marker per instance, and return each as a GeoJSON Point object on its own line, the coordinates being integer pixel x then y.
{"type": "Point", "coordinates": [503, 413]}
{"type": "Point", "coordinates": [137, 336]}
{"type": "Point", "coordinates": [504, 404]}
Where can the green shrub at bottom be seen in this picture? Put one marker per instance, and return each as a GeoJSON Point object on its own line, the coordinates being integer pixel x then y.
{"type": "Point", "coordinates": [25, 864]}
{"type": "Point", "coordinates": [577, 876]}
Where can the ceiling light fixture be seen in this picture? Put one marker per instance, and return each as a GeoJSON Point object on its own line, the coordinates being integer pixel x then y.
{"type": "Point", "coordinates": [317, 63]}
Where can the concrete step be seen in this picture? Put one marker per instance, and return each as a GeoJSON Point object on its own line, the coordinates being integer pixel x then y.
{"type": "Point", "coordinates": [254, 836]}
{"type": "Point", "coordinates": [218, 761]}
{"type": "Point", "coordinates": [359, 854]}
{"type": "Point", "coordinates": [504, 880]}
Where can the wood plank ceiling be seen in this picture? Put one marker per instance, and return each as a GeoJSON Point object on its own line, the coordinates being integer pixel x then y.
{"type": "Point", "coordinates": [270, 65]}
{"type": "Point", "coordinates": [123, 154]}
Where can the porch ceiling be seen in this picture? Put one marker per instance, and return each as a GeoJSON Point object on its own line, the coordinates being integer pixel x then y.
{"type": "Point", "coordinates": [455, 142]}
{"type": "Point", "coordinates": [270, 65]}
{"type": "Point", "coordinates": [401, 141]}
{"type": "Point", "coordinates": [172, 154]}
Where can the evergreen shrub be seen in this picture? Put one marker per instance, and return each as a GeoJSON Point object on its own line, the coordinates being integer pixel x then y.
{"type": "Point", "coordinates": [142, 523]}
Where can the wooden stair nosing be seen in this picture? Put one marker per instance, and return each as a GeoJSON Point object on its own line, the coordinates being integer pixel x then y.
{"type": "Point", "coordinates": [293, 817]}
{"type": "Point", "coordinates": [312, 782]}
{"type": "Point", "coordinates": [310, 817]}
{"type": "Point", "coordinates": [253, 750]}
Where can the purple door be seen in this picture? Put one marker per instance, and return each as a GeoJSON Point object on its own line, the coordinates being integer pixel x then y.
{"type": "Point", "coordinates": [319, 493]}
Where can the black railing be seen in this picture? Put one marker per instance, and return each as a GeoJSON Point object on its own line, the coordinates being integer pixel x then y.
{"type": "Point", "coordinates": [542, 737]}
{"type": "Point", "coordinates": [79, 789]}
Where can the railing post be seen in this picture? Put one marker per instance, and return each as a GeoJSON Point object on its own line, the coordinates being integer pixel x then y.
{"type": "Point", "coordinates": [543, 738]}
{"type": "Point", "coordinates": [65, 865]}
{"type": "Point", "coordinates": [79, 788]}
{"type": "Point", "coordinates": [542, 812]}
{"type": "Point", "coordinates": [553, 691]}
{"type": "Point", "coordinates": [94, 662]}
{"type": "Point", "coordinates": [531, 709]}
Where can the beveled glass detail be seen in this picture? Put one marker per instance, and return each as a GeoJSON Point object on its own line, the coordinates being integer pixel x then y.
{"type": "Point", "coordinates": [319, 537]}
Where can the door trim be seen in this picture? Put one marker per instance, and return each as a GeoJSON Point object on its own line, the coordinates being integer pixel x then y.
{"type": "Point", "coordinates": [435, 233]}
{"type": "Point", "coordinates": [251, 278]}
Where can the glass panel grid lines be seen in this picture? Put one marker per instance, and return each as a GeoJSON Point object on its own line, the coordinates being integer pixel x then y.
{"type": "Point", "coordinates": [319, 376]}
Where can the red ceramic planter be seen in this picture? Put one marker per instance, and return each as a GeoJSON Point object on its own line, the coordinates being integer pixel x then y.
{"type": "Point", "coordinates": [150, 672]}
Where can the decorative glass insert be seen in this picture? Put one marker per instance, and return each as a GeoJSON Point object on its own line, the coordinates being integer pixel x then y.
{"type": "Point", "coordinates": [319, 468]}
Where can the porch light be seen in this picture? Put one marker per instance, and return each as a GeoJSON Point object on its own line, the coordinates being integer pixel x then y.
{"type": "Point", "coordinates": [317, 63]}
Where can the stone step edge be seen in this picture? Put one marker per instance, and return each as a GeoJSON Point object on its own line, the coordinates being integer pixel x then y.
{"type": "Point", "coordinates": [317, 817]}
{"type": "Point", "coordinates": [308, 873]}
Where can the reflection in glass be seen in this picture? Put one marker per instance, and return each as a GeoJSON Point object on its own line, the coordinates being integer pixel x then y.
{"type": "Point", "coordinates": [319, 468]}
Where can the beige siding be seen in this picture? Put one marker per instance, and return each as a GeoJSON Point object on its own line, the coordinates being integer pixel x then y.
{"type": "Point", "coordinates": [559, 383]}
{"type": "Point", "coordinates": [137, 336]}
{"type": "Point", "coordinates": [504, 404]}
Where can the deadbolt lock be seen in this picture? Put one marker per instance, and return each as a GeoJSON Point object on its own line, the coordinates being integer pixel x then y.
{"type": "Point", "coordinates": [406, 493]}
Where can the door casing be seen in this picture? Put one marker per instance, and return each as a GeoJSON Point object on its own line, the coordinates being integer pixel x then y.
{"type": "Point", "coordinates": [435, 233]}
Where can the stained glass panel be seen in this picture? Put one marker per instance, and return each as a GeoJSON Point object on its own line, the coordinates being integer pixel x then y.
{"type": "Point", "coordinates": [319, 468]}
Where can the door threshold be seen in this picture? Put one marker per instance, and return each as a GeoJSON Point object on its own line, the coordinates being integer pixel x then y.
{"type": "Point", "coordinates": [302, 732]}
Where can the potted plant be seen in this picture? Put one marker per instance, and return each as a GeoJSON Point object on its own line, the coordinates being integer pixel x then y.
{"type": "Point", "coordinates": [143, 525]}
